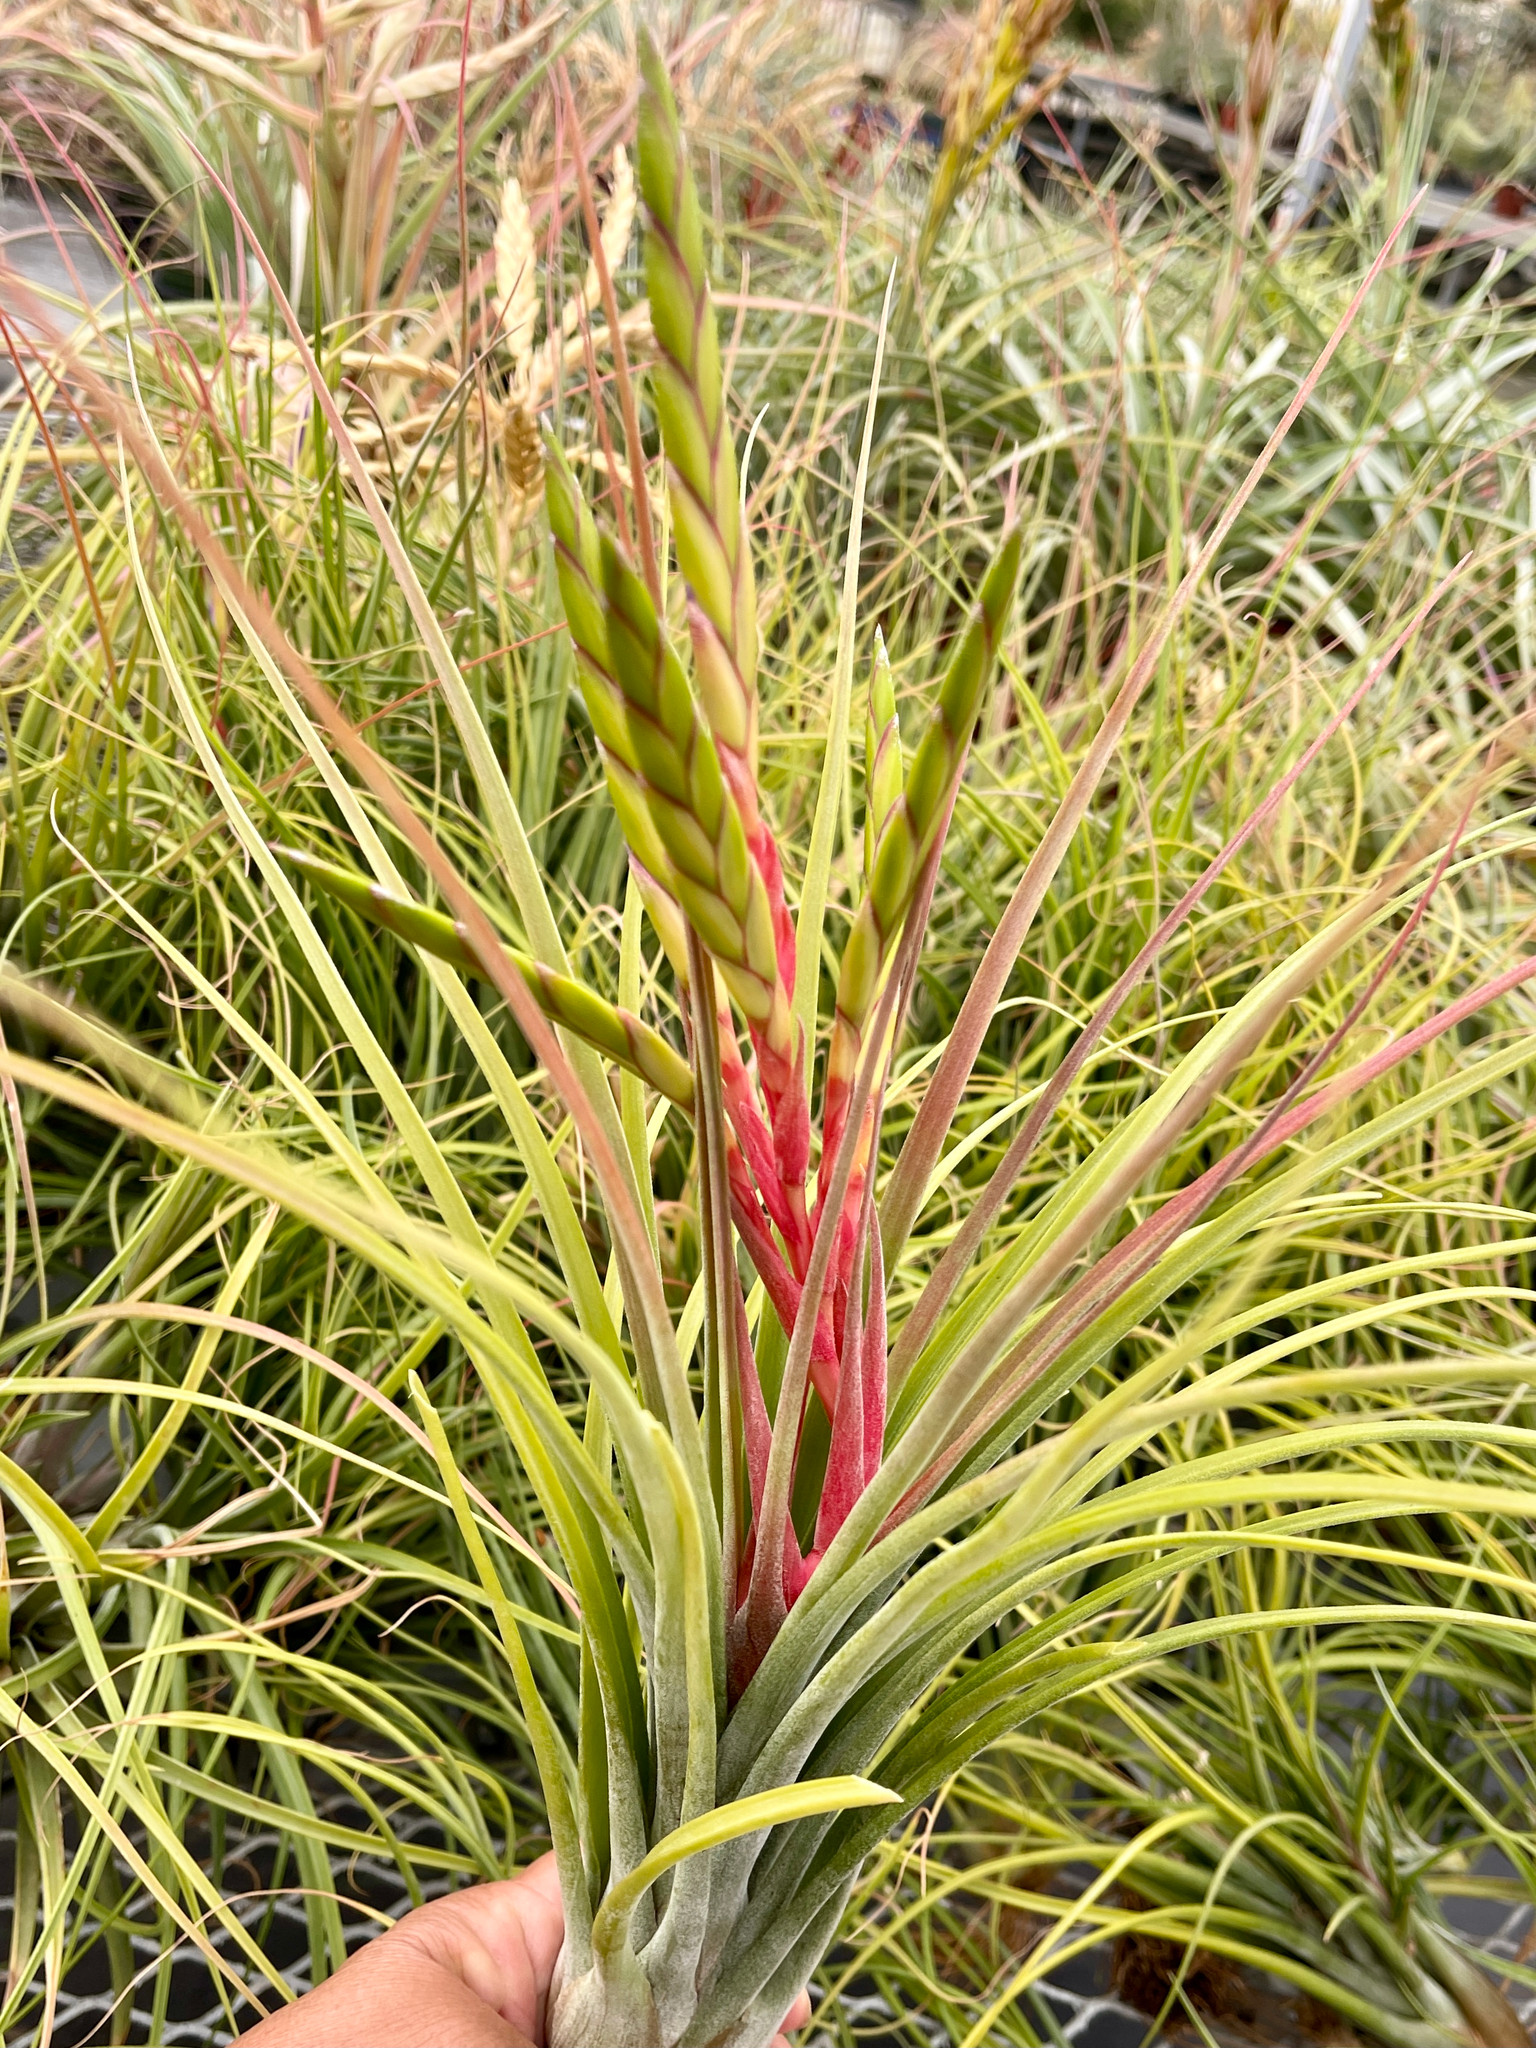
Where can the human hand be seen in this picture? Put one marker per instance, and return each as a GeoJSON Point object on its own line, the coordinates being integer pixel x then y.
{"type": "Point", "coordinates": [471, 1970]}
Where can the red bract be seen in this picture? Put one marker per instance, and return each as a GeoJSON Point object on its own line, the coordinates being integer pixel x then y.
{"type": "Point", "coordinates": [681, 758]}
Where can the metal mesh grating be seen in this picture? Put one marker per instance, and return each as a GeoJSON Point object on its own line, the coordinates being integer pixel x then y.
{"type": "Point", "coordinates": [1079, 2010]}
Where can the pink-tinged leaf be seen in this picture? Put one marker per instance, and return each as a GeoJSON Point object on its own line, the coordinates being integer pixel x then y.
{"type": "Point", "coordinates": [792, 1147]}
{"type": "Point", "coordinates": [858, 1428]}
{"type": "Point", "coordinates": [844, 1480]}
{"type": "Point", "coordinates": [925, 1141]}
{"type": "Point", "coordinates": [834, 1115]}
{"type": "Point", "coordinates": [756, 1429]}
{"type": "Point", "coordinates": [874, 1360]}
{"type": "Point", "coordinates": [837, 1094]}
{"type": "Point", "coordinates": [1136, 1253]}
{"type": "Point", "coordinates": [797, 1569]}
{"type": "Point", "coordinates": [769, 1592]}
{"type": "Point", "coordinates": [757, 1235]}
{"type": "Point", "coordinates": [767, 1585]}
{"type": "Point", "coordinates": [754, 1138]}
{"type": "Point", "coordinates": [852, 1222]}
{"type": "Point", "coordinates": [756, 1621]}
{"type": "Point", "coordinates": [753, 1626]}
{"type": "Point", "coordinates": [954, 1068]}
{"type": "Point", "coordinates": [780, 1285]}
{"type": "Point", "coordinates": [1391, 1055]}
{"type": "Point", "coordinates": [854, 1452]}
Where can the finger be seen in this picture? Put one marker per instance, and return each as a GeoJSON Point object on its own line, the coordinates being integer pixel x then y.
{"type": "Point", "coordinates": [797, 2016]}
{"type": "Point", "coordinates": [389, 1997]}
{"type": "Point", "coordinates": [500, 1939]}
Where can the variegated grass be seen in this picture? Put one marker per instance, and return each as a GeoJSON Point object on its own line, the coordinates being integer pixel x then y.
{"type": "Point", "coordinates": [272, 979]}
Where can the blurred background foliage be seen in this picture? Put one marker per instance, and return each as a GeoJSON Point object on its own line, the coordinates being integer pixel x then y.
{"type": "Point", "coordinates": [1284, 1836]}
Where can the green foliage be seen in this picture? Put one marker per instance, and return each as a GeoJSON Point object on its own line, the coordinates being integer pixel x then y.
{"type": "Point", "coordinates": [365, 1290]}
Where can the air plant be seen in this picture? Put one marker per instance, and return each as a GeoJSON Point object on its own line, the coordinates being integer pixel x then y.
{"type": "Point", "coordinates": [765, 1685]}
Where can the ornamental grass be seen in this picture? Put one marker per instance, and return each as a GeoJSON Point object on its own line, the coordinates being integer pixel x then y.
{"type": "Point", "coordinates": [548, 1122]}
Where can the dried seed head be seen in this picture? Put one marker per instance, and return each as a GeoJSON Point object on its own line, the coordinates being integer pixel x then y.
{"type": "Point", "coordinates": [1027, 27]}
{"type": "Point", "coordinates": [617, 224]}
{"type": "Point", "coordinates": [1266, 31]}
{"type": "Point", "coordinates": [1396, 37]}
{"type": "Point", "coordinates": [517, 279]}
{"type": "Point", "coordinates": [619, 213]}
{"type": "Point", "coordinates": [980, 57]}
{"type": "Point", "coordinates": [522, 449]}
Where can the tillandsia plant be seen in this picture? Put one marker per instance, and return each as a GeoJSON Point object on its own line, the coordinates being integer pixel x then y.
{"type": "Point", "coordinates": [775, 1547]}
{"type": "Point", "coordinates": [807, 1543]}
